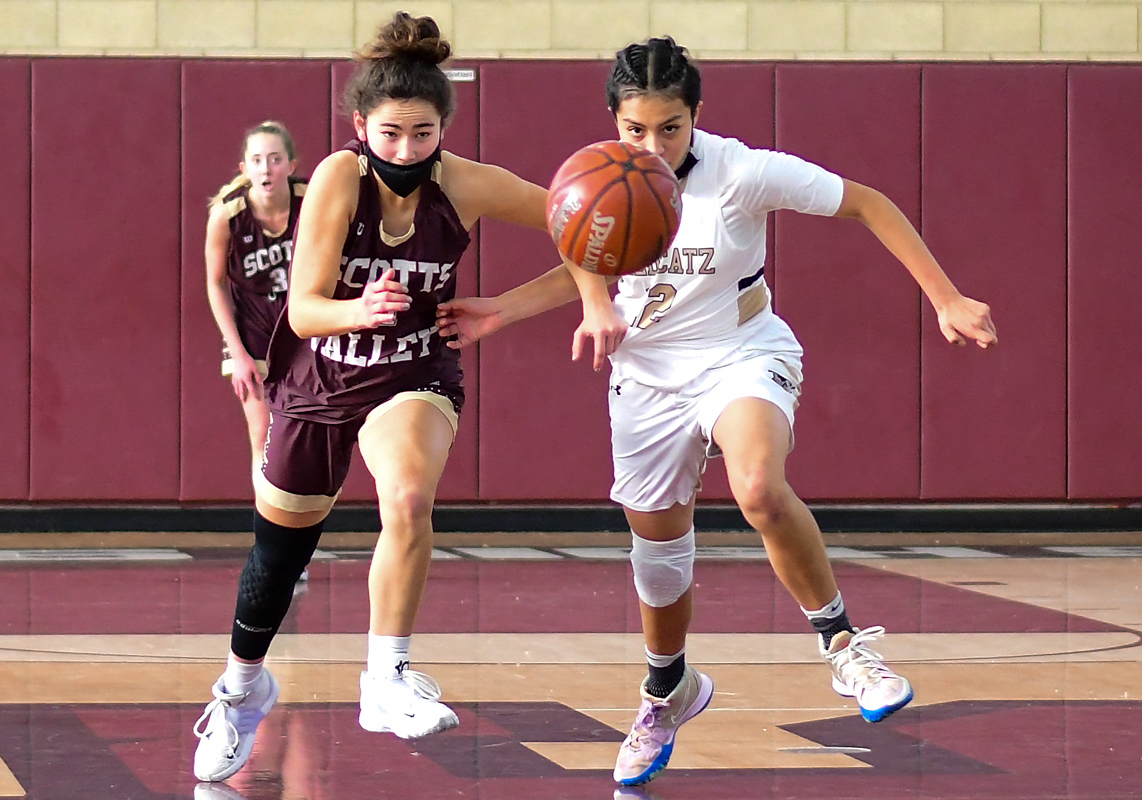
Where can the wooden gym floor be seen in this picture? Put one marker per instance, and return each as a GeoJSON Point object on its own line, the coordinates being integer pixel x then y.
{"type": "Point", "coordinates": [1024, 657]}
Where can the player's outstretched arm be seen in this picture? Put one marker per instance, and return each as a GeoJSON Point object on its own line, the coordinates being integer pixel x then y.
{"type": "Point", "coordinates": [479, 190]}
{"type": "Point", "coordinates": [960, 318]}
{"type": "Point", "coordinates": [470, 319]}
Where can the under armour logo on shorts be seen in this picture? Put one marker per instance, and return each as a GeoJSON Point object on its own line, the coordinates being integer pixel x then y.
{"type": "Point", "coordinates": [784, 383]}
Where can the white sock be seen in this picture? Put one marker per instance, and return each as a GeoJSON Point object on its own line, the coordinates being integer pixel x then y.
{"type": "Point", "coordinates": [388, 656]}
{"type": "Point", "coordinates": [240, 676]}
{"type": "Point", "coordinates": [661, 661]}
{"type": "Point", "coordinates": [831, 611]}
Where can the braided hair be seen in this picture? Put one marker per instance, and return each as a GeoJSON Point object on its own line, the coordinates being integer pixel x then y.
{"type": "Point", "coordinates": [657, 66]}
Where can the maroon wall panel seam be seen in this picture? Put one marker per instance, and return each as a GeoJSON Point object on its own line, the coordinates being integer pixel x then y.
{"type": "Point", "coordinates": [854, 308]}
{"type": "Point", "coordinates": [104, 289]}
{"type": "Point", "coordinates": [221, 100]}
{"type": "Point", "coordinates": [1104, 376]}
{"type": "Point", "coordinates": [543, 419]}
{"type": "Point", "coordinates": [995, 216]}
{"type": "Point", "coordinates": [15, 275]}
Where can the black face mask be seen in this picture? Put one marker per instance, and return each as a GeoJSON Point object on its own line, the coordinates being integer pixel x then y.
{"type": "Point", "coordinates": [687, 165]}
{"type": "Point", "coordinates": [403, 179]}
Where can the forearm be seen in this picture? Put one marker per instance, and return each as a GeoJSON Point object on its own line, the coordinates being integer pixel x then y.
{"type": "Point", "coordinates": [894, 230]}
{"type": "Point", "coordinates": [592, 288]}
{"type": "Point", "coordinates": [550, 290]}
{"type": "Point", "coordinates": [312, 315]}
{"type": "Point", "coordinates": [222, 307]}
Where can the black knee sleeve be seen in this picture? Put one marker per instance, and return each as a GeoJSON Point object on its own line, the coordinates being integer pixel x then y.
{"type": "Point", "coordinates": [266, 587]}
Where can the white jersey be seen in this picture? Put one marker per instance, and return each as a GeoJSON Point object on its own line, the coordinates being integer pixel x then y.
{"type": "Point", "coordinates": [705, 304]}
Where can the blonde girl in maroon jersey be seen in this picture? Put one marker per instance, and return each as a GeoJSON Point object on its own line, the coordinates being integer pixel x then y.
{"type": "Point", "coordinates": [248, 254]}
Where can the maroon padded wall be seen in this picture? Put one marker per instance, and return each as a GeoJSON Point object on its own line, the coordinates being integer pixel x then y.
{"type": "Point", "coordinates": [221, 100]}
{"type": "Point", "coordinates": [544, 433]}
{"type": "Point", "coordinates": [994, 166]}
{"type": "Point", "coordinates": [1104, 380]}
{"type": "Point", "coordinates": [105, 280]}
{"type": "Point", "coordinates": [853, 307]}
{"type": "Point", "coordinates": [459, 481]}
{"type": "Point", "coordinates": [15, 274]}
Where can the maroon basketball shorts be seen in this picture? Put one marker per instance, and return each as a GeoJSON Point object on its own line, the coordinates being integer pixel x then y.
{"type": "Point", "coordinates": [305, 462]}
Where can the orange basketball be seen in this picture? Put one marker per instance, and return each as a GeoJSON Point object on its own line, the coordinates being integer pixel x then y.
{"type": "Point", "coordinates": [613, 208]}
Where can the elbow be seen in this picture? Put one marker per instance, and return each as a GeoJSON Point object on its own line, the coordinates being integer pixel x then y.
{"type": "Point", "coordinates": [299, 321]}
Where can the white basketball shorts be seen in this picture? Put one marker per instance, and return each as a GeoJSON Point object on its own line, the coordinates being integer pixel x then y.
{"type": "Point", "coordinates": [660, 439]}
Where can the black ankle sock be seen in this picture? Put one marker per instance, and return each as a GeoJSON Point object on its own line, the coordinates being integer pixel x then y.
{"type": "Point", "coordinates": [663, 680]}
{"type": "Point", "coordinates": [830, 627]}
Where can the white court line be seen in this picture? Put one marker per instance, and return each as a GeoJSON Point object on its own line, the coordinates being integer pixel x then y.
{"type": "Point", "coordinates": [596, 553]}
{"type": "Point", "coordinates": [954, 552]}
{"type": "Point", "coordinates": [508, 553]}
{"type": "Point", "coordinates": [1113, 551]}
{"type": "Point", "coordinates": [117, 554]}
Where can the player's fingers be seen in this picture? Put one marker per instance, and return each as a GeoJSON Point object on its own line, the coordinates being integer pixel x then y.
{"type": "Point", "coordinates": [576, 345]}
{"type": "Point", "coordinates": [600, 353]}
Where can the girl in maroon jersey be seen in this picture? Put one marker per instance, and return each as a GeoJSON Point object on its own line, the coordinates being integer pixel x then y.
{"type": "Point", "coordinates": [248, 248]}
{"type": "Point", "coordinates": [361, 362]}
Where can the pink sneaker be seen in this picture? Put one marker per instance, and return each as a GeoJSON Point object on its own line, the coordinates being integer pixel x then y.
{"type": "Point", "coordinates": [647, 749]}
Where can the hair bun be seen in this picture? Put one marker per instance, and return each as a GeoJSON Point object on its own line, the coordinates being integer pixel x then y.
{"type": "Point", "coordinates": [409, 38]}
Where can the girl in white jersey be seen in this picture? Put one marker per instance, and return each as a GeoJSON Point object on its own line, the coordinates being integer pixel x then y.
{"type": "Point", "coordinates": [707, 369]}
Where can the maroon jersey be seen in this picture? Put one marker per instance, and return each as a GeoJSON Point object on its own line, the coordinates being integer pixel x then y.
{"type": "Point", "coordinates": [340, 378]}
{"type": "Point", "coordinates": [258, 267]}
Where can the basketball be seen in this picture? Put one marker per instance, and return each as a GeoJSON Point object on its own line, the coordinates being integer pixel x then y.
{"type": "Point", "coordinates": [613, 209]}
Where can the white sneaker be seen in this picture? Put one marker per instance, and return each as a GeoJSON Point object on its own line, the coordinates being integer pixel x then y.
{"type": "Point", "coordinates": [408, 706]}
{"type": "Point", "coordinates": [216, 791]}
{"type": "Point", "coordinates": [226, 728]}
{"type": "Point", "coordinates": [859, 671]}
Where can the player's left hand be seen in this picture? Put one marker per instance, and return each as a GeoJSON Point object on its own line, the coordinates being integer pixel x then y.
{"type": "Point", "coordinates": [605, 328]}
{"type": "Point", "coordinates": [466, 320]}
{"type": "Point", "coordinates": [964, 319]}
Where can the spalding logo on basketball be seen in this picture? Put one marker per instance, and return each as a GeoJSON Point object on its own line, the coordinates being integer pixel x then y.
{"type": "Point", "coordinates": [613, 208]}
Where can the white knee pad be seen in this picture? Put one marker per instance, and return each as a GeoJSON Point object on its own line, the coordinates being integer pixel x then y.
{"type": "Point", "coordinates": [663, 571]}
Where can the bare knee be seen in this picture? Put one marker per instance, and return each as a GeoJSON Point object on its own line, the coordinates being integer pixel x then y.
{"type": "Point", "coordinates": [765, 503]}
{"type": "Point", "coordinates": [405, 507]}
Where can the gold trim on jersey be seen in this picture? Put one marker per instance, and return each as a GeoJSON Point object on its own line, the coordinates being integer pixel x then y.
{"type": "Point", "coordinates": [442, 404]}
{"type": "Point", "coordinates": [299, 188]}
{"type": "Point", "coordinates": [752, 302]}
{"type": "Point", "coordinates": [393, 241]}
{"type": "Point", "coordinates": [235, 207]}
{"type": "Point", "coordinates": [288, 501]}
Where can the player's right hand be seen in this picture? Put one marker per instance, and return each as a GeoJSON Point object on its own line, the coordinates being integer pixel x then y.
{"type": "Point", "coordinates": [467, 320]}
{"type": "Point", "coordinates": [382, 300]}
{"type": "Point", "coordinates": [245, 379]}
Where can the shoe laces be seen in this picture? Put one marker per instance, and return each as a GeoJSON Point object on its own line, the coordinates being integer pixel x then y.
{"type": "Point", "coordinates": [217, 720]}
{"type": "Point", "coordinates": [423, 685]}
{"type": "Point", "coordinates": [858, 660]}
{"type": "Point", "coordinates": [646, 723]}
